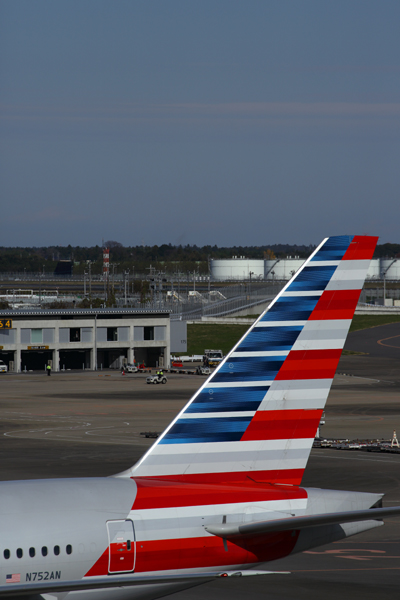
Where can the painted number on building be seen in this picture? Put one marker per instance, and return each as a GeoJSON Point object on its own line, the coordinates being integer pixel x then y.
{"type": "Point", "coordinates": [5, 323]}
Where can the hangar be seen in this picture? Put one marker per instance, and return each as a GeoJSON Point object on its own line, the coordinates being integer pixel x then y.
{"type": "Point", "coordinates": [84, 338]}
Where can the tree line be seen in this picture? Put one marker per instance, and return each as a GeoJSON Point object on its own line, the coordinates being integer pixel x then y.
{"type": "Point", "coordinates": [140, 259]}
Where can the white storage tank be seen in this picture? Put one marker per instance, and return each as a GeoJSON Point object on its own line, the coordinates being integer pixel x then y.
{"type": "Point", "coordinates": [374, 270]}
{"type": "Point", "coordinates": [282, 268]}
{"type": "Point", "coordinates": [390, 268]}
{"type": "Point", "coordinates": [236, 268]}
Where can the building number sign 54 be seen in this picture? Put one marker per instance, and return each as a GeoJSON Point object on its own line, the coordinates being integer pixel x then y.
{"type": "Point", "coordinates": [5, 323]}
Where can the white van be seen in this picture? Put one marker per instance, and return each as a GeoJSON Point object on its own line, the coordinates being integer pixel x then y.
{"type": "Point", "coordinates": [3, 367]}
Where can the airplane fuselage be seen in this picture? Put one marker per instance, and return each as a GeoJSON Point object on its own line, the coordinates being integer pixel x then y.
{"type": "Point", "coordinates": [68, 529]}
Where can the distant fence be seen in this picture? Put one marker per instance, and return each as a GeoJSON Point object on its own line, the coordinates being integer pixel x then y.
{"type": "Point", "coordinates": [237, 298]}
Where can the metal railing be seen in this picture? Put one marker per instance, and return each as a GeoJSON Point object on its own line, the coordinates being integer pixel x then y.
{"type": "Point", "coordinates": [237, 298]}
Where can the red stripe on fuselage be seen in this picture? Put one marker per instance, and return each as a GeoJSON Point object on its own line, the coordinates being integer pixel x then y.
{"type": "Point", "coordinates": [100, 567]}
{"type": "Point", "coordinates": [192, 553]}
{"type": "Point", "coordinates": [200, 552]}
{"type": "Point", "coordinates": [203, 489]}
{"type": "Point", "coordinates": [338, 304]}
{"type": "Point", "coordinates": [213, 483]}
{"type": "Point", "coordinates": [361, 248]}
{"type": "Point", "coordinates": [208, 551]}
{"type": "Point", "coordinates": [283, 424]}
{"type": "Point", "coordinates": [309, 364]}
{"type": "Point", "coordinates": [187, 553]}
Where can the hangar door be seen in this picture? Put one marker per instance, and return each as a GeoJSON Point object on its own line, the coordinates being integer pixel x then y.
{"type": "Point", "coordinates": [35, 360]}
{"type": "Point", "coordinates": [74, 359]}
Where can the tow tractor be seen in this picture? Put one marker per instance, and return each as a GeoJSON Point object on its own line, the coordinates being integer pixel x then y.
{"type": "Point", "coordinates": [158, 378]}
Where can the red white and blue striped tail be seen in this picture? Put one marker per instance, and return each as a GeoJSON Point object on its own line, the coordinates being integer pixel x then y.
{"type": "Point", "coordinates": [257, 415]}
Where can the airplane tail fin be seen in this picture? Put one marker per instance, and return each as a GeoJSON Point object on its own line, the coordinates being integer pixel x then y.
{"type": "Point", "coordinates": [257, 415]}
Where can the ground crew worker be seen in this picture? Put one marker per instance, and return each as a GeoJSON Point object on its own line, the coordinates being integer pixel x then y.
{"type": "Point", "coordinates": [48, 369]}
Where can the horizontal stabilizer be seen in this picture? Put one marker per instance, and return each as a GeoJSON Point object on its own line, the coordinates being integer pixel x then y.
{"type": "Point", "coordinates": [228, 530]}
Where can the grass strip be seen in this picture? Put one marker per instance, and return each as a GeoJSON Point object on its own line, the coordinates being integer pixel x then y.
{"type": "Point", "coordinates": [213, 336]}
{"type": "Point", "coordinates": [366, 321]}
{"type": "Point", "coordinates": [223, 337]}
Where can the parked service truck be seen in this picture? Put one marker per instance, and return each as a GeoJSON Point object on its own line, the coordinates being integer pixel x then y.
{"type": "Point", "coordinates": [214, 357]}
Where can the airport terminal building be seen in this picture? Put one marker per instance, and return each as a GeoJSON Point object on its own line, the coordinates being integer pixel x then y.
{"type": "Point", "coordinates": [84, 338]}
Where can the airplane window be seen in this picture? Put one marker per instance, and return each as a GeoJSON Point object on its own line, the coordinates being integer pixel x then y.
{"type": "Point", "coordinates": [69, 549]}
{"type": "Point", "coordinates": [6, 554]}
{"type": "Point", "coordinates": [19, 552]}
{"type": "Point", "coordinates": [44, 551]}
{"type": "Point", "coordinates": [56, 550]}
{"type": "Point", "coordinates": [32, 552]}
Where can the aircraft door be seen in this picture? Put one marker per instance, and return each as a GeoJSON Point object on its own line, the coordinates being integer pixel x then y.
{"type": "Point", "coordinates": [121, 540]}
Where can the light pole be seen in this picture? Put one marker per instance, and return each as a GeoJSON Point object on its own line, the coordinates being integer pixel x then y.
{"type": "Point", "coordinates": [384, 280]}
{"type": "Point", "coordinates": [126, 281]}
{"type": "Point", "coordinates": [384, 288]}
{"type": "Point", "coordinates": [250, 274]}
{"type": "Point", "coordinates": [90, 279]}
{"type": "Point", "coordinates": [95, 341]}
{"type": "Point", "coordinates": [40, 289]}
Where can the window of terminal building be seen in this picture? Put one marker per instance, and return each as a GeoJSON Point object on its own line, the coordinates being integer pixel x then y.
{"type": "Point", "coordinates": [75, 334]}
{"type": "Point", "coordinates": [36, 336]}
{"type": "Point", "coordinates": [148, 333]}
{"type": "Point", "coordinates": [112, 334]}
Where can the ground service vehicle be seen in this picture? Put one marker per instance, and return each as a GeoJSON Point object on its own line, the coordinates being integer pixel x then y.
{"type": "Point", "coordinates": [3, 367]}
{"type": "Point", "coordinates": [156, 379]}
{"type": "Point", "coordinates": [128, 368]}
{"type": "Point", "coordinates": [200, 370]}
{"type": "Point", "coordinates": [219, 492]}
{"type": "Point", "coordinates": [214, 357]}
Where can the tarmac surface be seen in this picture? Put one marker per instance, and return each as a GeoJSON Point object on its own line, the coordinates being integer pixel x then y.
{"type": "Point", "coordinates": [90, 424]}
{"type": "Point", "coordinates": [382, 341]}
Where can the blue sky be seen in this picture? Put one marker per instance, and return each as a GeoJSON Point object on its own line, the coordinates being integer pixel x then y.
{"type": "Point", "coordinates": [187, 122]}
